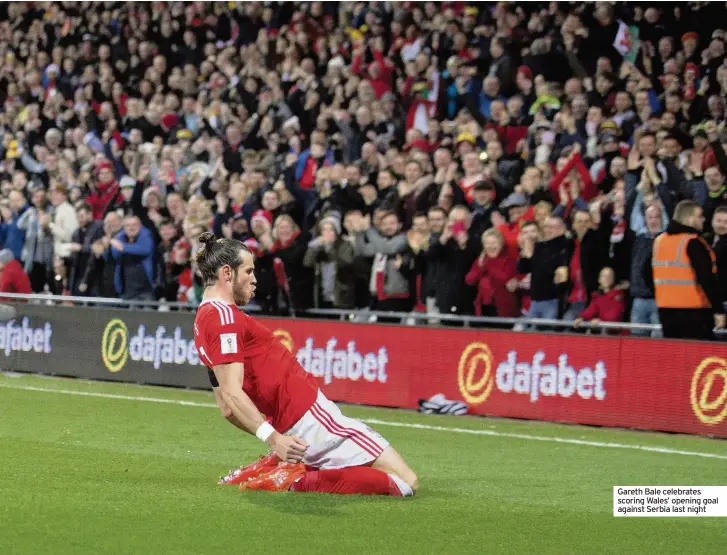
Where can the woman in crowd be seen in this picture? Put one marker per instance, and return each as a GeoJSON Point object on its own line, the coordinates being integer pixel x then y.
{"type": "Point", "coordinates": [494, 273]}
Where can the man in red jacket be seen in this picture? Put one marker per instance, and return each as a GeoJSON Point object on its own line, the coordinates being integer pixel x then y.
{"type": "Point", "coordinates": [13, 278]}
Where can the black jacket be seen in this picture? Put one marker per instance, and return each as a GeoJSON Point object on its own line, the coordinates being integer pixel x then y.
{"type": "Point", "coordinates": [82, 261]}
{"type": "Point", "coordinates": [300, 277]}
{"type": "Point", "coordinates": [547, 257]}
{"type": "Point", "coordinates": [719, 246]}
{"type": "Point", "coordinates": [698, 252]}
{"type": "Point", "coordinates": [447, 265]}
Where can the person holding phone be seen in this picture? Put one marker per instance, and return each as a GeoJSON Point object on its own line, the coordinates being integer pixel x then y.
{"type": "Point", "coordinates": [548, 262]}
{"type": "Point", "coordinates": [452, 252]}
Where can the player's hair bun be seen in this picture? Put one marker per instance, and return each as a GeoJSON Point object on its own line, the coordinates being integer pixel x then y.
{"type": "Point", "coordinates": [207, 239]}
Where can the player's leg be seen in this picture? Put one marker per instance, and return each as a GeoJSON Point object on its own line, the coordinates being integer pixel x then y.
{"type": "Point", "coordinates": [364, 460]}
{"type": "Point", "coordinates": [345, 456]}
{"type": "Point", "coordinates": [361, 480]}
{"type": "Point", "coordinates": [391, 462]}
{"type": "Point", "coordinates": [364, 443]}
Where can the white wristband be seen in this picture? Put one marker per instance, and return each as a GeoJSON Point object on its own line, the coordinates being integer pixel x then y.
{"type": "Point", "coordinates": [264, 431]}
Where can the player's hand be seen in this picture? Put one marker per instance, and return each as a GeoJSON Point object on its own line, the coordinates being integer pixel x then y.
{"type": "Point", "coordinates": [289, 448]}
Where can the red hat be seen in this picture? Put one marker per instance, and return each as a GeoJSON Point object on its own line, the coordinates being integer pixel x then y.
{"type": "Point", "coordinates": [169, 121]}
{"type": "Point", "coordinates": [691, 67]}
{"type": "Point", "coordinates": [104, 165]}
{"type": "Point", "coordinates": [525, 70]}
{"type": "Point", "coordinates": [691, 35]}
{"type": "Point", "coordinates": [264, 215]}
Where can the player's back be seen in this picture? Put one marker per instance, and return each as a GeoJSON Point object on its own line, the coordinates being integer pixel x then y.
{"type": "Point", "coordinates": [274, 380]}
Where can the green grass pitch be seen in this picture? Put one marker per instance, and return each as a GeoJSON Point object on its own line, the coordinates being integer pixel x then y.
{"type": "Point", "coordinates": [107, 475]}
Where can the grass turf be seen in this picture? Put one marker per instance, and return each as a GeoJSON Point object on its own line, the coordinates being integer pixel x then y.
{"type": "Point", "coordinates": [85, 474]}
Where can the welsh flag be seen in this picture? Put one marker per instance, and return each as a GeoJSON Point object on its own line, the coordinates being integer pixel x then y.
{"type": "Point", "coordinates": [627, 41]}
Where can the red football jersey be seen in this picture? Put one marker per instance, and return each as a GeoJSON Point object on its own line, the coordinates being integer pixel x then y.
{"type": "Point", "coordinates": [274, 380]}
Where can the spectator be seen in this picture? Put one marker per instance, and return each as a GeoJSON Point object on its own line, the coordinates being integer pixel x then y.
{"type": "Point", "coordinates": [13, 278]}
{"type": "Point", "coordinates": [529, 232]}
{"type": "Point", "coordinates": [580, 292]}
{"type": "Point", "coordinates": [133, 251]}
{"type": "Point", "coordinates": [290, 247]}
{"type": "Point", "coordinates": [167, 281]}
{"type": "Point", "coordinates": [431, 268]}
{"type": "Point", "coordinates": [14, 234]}
{"type": "Point", "coordinates": [607, 304]}
{"type": "Point", "coordinates": [389, 288]}
{"type": "Point", "coordinates": [38, 247]}
{"type": "Point", "coordinates": [82, 241]}
{"type": "Point", "coordinates": [483, 197]}
{"type": "Point", "coordinates": [547, 262]}
{"type": "Point", "coordinates": [494, 273]}
{"type": "Point", "coordinates": [717, 239]}
{"type": "Point", "coordinates": [189, 288]}
{"type": "Point", "coordinates": [685, 278]}
{"type": "Point", "coordinates": [451, 255]}
{"type": "Point", "coordinates": [333, 259]}
{"type": "Point", "coordinates": [262, 246]}
{"type": "Point", "coordinates": [64, 221]}
{"type": "Point", "coordinates": [647, 221]}
{"type": "Point", "coordinates": [518, 211]}
{"type": "Point", "coordinates": [715, 194]}
{"type": "Point", "coordinates": [105, 191]}
{"type": "Point", "coordinates": [101, 272]}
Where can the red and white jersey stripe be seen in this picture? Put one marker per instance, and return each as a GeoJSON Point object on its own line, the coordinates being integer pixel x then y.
{"type": "Point", "coordinates": [225, 311]}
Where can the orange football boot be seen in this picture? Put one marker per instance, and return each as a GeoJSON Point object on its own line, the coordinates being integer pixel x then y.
{"type": "Point", "coordinates": [279, 479]}
{"type": "Point", "coordinates": [264, 464]}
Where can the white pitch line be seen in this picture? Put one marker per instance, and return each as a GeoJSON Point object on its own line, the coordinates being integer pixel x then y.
{"type": "Point", "coordinates": [490, 433]}
{"type": "Point", "coordinates": [109, 396]}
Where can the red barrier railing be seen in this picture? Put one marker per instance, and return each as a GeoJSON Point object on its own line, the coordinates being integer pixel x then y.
{"type": "Point", "coordinates": [676, 386]}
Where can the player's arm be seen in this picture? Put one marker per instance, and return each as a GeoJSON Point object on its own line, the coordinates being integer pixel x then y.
{"type": "Point", "coordinates": [230, 377]}
{"type": "Point", "coordinates": [224, 409]}
{"type": "Point", "coordinates": [227, 413]}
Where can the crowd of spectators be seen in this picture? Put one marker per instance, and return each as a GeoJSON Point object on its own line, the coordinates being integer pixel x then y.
{"type": "Point", "coordinates": [484, 158]}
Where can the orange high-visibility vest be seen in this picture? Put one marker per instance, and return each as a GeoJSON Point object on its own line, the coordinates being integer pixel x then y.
{"type": "Point", "coordinates": [675, 282]}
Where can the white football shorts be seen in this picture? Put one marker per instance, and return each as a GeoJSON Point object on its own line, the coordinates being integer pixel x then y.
{"type": "Point", "coordinates": [335, 440]}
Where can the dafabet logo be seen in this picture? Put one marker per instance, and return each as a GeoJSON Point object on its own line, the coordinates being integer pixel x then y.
{"type": "Point", "coordinates": [337, 362]}
{"type": "Point", "coordinates": [476, 378]}
{"type": "Point", "coordinates": [708, 393]}
{"type": "Point", "coordinates": [117, 346]}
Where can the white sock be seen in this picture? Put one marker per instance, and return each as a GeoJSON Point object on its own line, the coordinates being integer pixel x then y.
{"type": "Point", "coordinates": [404, 488]}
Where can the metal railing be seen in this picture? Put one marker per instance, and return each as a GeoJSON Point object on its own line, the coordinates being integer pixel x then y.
{"type": "Point", "coordinates": [36, 298]}
{"type": "Point", "coordinates": [356, 315]}
{"type": "Point", "coordinates": [361, 316]}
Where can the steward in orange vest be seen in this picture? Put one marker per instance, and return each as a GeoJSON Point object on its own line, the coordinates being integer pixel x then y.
{"type": "Point", "coordinates": [685, 283]}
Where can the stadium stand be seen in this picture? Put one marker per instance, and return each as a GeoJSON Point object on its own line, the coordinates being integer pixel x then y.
{"type": "Point", "coordinates": [453, 158]}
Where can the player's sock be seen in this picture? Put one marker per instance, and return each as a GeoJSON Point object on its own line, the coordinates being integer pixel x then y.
{"type": "Point", "coordinates": [404, 489]}
{"type": "Point", "coordinates": [362, 480]}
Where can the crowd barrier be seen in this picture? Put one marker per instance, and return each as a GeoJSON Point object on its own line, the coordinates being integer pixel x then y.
{"type": "Point", "coordinates": [621, 381]}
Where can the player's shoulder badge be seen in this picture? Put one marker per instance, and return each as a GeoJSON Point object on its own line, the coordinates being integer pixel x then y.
{"type": "Point", "coordinates": [228, 343]}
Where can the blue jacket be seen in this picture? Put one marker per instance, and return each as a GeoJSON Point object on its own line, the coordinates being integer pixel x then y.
{"type": "Point", "coordinates": [143, 247]}
{"type": "Point", "coordinates": [14, 236]}
{"type": "Point", "coordinates": [303, 158]}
